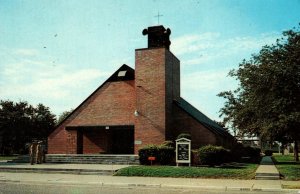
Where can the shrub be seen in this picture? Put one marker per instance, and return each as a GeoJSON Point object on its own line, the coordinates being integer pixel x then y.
{"type": "Point", "coordinates": [236, 152]}
{"type": "Point", "coordinates": [166, 155]}
{"type": "Point", "coordinates": [268, 152]}
{"type": "Point", "coordinates": [213, 155]}
{"type": "Point", "coordinates": [184, 135]}
{"type": "Point", "coordinates": [147, 151]}
{"type": "Point", "coordinates": [252, 153]}
{"type": "Point", "coordinates": [168, 143]}
{"type": "Point", "coordinates": [163, 154]}
{"type": "Point", "coordinates": [195, 158]}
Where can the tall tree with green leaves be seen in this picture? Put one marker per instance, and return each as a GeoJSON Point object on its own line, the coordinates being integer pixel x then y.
{"type": "Point", "coordinates": [63, 115]}
{"type": "Point", "coordinates": [267, 100]}
{"type": "Point", "coordinates": [20, 123]}
{"type": "Point", "coordinates": [44, 121]}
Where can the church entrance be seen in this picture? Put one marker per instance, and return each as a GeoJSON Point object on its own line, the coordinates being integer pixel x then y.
{"type": "Point", "coordinates": [122, 141]}
{"type": "Point", "coordinates": [105, 140]}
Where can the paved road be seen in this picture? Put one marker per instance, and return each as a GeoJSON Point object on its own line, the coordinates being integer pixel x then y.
{"type": "Point", "coordinates": [15, 188]}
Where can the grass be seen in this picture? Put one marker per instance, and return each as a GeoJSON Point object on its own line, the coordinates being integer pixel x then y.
{"type": "Point", "coordinates": [283, 158]}
{"type": "Point", "coordinates": [237, 171]}
{"type": "Point", "coordinates": [290, 186]}
{"type": "Point", "coordinates": [7, 157]}
{"type": "Point", "coordinates": [287, 167]}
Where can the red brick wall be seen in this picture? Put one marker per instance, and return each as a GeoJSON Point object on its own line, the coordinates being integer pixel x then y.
{"type": "Point", "coordinates": [71, 142]}
{"type": "Point", "coordinates": [95, 141]}
{"type": "Point", "coordinates": [157, 78]}
{"type": "Point", "coordinates": [150, 84]}
{"type": "Point", "coordinates": [112, 104]}
{"type": "Point", "coordinates": [184, 123]}
{"type": "Point", "coordinates": [57, 141]}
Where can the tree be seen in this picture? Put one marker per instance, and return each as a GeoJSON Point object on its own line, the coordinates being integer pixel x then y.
{"type": "Point", "coordinates": [266, 103]}
{"type": "Point", "coordinates": [20, 123]}
{"type": "Point", "coordinates": [63, 115]}
{"type": "Point", "coordinates": [44, 121]}
{"type": "Point", "coordinates": [15, 125]}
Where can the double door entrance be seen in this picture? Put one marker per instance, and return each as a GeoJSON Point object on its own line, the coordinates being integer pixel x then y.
{"type": "Point", "coordinates": [105, 140]}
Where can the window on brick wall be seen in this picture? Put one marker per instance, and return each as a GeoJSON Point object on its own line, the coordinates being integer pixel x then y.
{"type": "Point", "coordinates": [122, 73]}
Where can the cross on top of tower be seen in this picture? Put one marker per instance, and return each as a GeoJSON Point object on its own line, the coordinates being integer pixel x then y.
{"type": "Point", "coordinates": [157, 16]}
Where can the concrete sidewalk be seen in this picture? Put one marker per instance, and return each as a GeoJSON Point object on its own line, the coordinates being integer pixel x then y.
{"type": "Point", "coordinates": [267, 170]}
{"type": "Point", "coordinates": [115, 181]}
{"type": "Point", "coordinates": [54, 174]}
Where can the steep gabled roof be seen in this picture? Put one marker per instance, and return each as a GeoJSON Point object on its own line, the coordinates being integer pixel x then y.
{"type": "Point", "coordinates": [124, 73]}
{"type": "Point", "coordinates": [202, 118]}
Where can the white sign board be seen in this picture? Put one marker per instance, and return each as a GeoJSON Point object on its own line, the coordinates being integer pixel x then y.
{"type": "Point", "coordinates": [137, 142]}
{"type": "Point", "coordinates": [183, 151]}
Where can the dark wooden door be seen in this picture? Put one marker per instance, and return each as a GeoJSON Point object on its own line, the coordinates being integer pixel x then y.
{"type": "Point", "coordinates": [123, 141]}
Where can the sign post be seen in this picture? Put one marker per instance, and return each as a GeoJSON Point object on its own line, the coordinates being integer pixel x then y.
{"type": "Point", "coordinates": [151, 158]}
{"type": "Point", "coordinates": [183, 151]}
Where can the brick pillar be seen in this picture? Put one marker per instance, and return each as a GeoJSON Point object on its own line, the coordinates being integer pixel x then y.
{"type": "Point", "coordinates": [72, 142]}
{"type": "Point", "coordinates": [157, 78]}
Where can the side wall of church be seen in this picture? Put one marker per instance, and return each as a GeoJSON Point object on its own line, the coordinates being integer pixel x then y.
{"type": "Point", "coordinates": [112, 104]}
{"type": "Point", "coordinates": [184, 123]}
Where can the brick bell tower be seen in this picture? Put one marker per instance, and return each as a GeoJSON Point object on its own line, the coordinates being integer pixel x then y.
{"type": "Point", "coordinates": [157, 84]}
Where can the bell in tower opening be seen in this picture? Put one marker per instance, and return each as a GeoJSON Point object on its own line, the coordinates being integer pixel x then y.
{"type": "Point", "coordinates": [158, 36]}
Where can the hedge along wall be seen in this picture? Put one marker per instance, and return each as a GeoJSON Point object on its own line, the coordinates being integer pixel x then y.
{"type": "Point", "coordinates": [164, 155]}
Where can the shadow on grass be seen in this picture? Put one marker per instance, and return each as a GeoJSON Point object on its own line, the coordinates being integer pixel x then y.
{"type": "Point", "coordinates": [296, 163]}
{"type": "Point", "coordinates": [286, 162]}
{"type": "Point", "coordinates": [233, 165]}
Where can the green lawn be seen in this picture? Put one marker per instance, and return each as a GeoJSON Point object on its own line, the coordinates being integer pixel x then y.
{"type": "Point", "coordinates": [7, 157]}
{"type": "Point", "coordinates": [238, 171]}
{"type": "Point", "coordinates": [287, 167]}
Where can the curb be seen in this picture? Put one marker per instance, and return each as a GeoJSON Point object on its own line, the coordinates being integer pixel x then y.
{"type": "Point", "coordinates": [133, 185]}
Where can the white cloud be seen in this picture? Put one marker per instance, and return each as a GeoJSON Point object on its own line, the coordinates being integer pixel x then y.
{"type": "Point", "coordinates": [201, 89]}
{"type": "Point", "coordinates": [27, 52]}
{"type": "Point", "coordinates": [206, 60]}
{"type": "Point", "coordinates": [40, 81]}
{"type": "Point", "coordinates": [193, 43]}
{"type": "Point", "coordinates": [197, 49]}
{"type": "Point", "coordinates": [207, 81]}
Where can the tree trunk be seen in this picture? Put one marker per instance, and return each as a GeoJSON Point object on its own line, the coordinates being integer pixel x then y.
{"type": "Point", "coordinates": [296, 151]}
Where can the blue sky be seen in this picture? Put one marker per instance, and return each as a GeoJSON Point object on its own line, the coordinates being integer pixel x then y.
{"type": "Point", "coordinates": [58, 52]}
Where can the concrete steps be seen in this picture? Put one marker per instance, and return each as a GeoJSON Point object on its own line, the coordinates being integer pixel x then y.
{"type": "Point", "coordinates": [58, 171]}
{"type": "Point", "coordinates": [92, 159]}
{"type": "Point", "coordinates": [267, 170]}
{"type": "Point", "coordinates": [267, 176]}
{"type": "Point", "coordinates": [20, 159]}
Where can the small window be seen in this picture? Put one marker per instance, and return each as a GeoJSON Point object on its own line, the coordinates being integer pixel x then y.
{"type": "Point", "coordinates": [122, 73]}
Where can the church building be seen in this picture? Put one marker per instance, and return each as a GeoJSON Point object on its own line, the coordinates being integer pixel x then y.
{"type": "Point", "coordinates": [137, 107]}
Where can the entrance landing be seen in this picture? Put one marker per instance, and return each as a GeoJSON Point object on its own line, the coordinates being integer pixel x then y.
{"type": "Point", "coordinates": [92, 159]}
